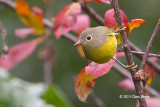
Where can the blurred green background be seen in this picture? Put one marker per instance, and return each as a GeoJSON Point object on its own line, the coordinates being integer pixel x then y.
{"type": "Point", "coordinates": [68, 62]}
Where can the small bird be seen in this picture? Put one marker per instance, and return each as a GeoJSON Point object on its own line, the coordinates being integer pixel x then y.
{"type": "Point", "coordinates": [99, 43]}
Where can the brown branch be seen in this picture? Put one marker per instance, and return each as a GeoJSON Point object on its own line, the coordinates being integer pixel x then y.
{"type": "Point", "coordinates": [155, 66]}
{"type": "Point", "coordinates": [3, 34]}
{"type": "Point", "coordinates": [138, 84]}
{"type": "Point", "coordinates": [49, 57]}
{"type": "Point", "coordinates": [149, 55]}
{"type": "Point", "coordinates": [48, 65]}
{"type": "Point", "coordinates": [156, 30]}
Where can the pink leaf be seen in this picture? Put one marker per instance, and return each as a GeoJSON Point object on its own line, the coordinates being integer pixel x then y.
{"type": "Point", "coordinates": [82, 23]}
{"type": "Point", "coordinates": [95, 70]}
{"type": "Point", "coordinates": [66, 19]}
{"type": "Point", "coordinates": [23, 32]}
{"type": "Point", "coordinates": [103, 1]}
{"type": "Point", "coordinates": [127, 84]}
{"type": "Point", "coordinates": [18, 53]}
{"type": "Point", "coordinates": [110, 20]}
{"type": "Point", "coordinates": [119, 54]}
{"type": "Point", "coordinates": [152, 102]}
{"type": "Point", "coordinates": [37, 10]}
{"type": "Point", "coordinates": [85, 81]}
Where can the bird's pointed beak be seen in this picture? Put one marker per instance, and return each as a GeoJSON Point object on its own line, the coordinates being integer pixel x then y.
{"type": "Point", "coordinates": [78, 43]}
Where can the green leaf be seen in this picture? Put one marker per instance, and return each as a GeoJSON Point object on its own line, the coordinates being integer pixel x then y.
{"type": "Point", "coordinates": [55, 96]}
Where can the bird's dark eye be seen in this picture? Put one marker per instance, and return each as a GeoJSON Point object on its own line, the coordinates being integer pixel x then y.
{"type": "Point", "coordinates": [89, 37]}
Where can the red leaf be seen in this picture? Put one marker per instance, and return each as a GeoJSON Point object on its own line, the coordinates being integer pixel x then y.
{"type": "Point", "coordinates": [95, 70]}
{"type": "Point", "coordinates": [33, 19]}
{"type": "Point", "coordinates": [103, 1]}
{"type": "Point", "coordinates": [151, 102]}
{"type": "Point", "coordinates": [135, 23]}
{"type": "Point", "coordinates": [82, 23]}
{"type": "Point", "coordinates": [88, 76]}
{"type": "Point", "coordinates": [86, 79]}
{"type": "Point", "coordinates": [127, 84]}
{"type": "Point", "coordinates": [151, 70]}
{"type": "Point", "coordinates": [83, 85]}
{"type": "Point", "coordinates": [119, 54]}
{"type": "Point", "coordinates": [23, 32]}
{"type": "Point", "coordinates": [18, 53]}
{"type": "Point", "coordinates": [110, 20]}
{"type": "Point", "coordinates": [66, 19]}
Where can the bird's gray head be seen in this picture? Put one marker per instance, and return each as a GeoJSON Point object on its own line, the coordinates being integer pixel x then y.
{"type": "Point", "coordinates": [93, 37]}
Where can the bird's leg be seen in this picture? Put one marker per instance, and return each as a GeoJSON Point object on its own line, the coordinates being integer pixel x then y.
{"type": "Point", "coordinates": [141, 75]}
{"type": "Point", "coordinates": [130, 67]}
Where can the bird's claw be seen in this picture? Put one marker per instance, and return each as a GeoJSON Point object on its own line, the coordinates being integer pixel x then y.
{"type": "Point", "coordinates": [120, 29]}
{"type": "Point", "coordinates": [131, 67]}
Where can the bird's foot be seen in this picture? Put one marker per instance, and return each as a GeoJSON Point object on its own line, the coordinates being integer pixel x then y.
{"type": "Point", "coordinates": [131, 67]}
{"type": "Point", "coordinates": [120, 29]}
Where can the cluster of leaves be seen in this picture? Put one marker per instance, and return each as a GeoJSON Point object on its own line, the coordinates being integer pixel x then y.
{"type": "Point", "coordinates": [70, 18]}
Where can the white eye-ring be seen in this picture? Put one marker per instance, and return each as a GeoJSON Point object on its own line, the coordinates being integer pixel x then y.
{"type": "Point", "coordinates": [89, 37]}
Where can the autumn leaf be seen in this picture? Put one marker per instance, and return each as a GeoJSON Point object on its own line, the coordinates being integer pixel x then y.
{"type": "Point", "coordinates": [82, 23]}
{"type": "Point", "coordinates": [151, 70]}
{"type": "Point", "coordinates": [99, 1]}
{"type": "Point", "coordinates": [66, 19]}
{"type": "Point", "coordinates": [103, 1]}
{"type": "Point", "coordinates": [18, 53]}
{"type": "Point", "coordinates": [86, 79]}
{"type": "Point", "coordinates": [23, 32]}
{"type": "Point", "coordinates": [135, 23]}
{"type": "Point", "coordinates": [83, 85]}
{"type": "Point", "coordinates": [110, 22]}
{"type": "Point", "coordinates": [33, 19]}
{"type": "Point", "coordinates": [127, 84]}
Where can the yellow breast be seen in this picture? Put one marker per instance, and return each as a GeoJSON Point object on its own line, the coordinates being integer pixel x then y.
{"type": "Point", "coordinates": [105, 53]}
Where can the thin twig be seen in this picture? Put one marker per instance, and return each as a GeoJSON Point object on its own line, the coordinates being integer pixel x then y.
{"type": "Point", "coordinates": [149, 55]}
{"type": "Point", "coordinates": [97, 100]}
{"type": "Point", "coordinates": [48, 65]}
{"type": "Point", "coordinates": [155, 66]}
{"type": "Point", "coordinates": [49, 59]}
{"type": "Point", "coordinates": [3, 34]}
{"type": "Point", "coordinates": [9, 3]}
{"type": "Point", "coordinates": [156, 30]}
{"type": "Point", "coordinates": [138, 84]}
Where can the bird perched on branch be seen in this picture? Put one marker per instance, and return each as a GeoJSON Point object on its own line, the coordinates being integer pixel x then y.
{"type": "Point", "coordinates": [99, 43]}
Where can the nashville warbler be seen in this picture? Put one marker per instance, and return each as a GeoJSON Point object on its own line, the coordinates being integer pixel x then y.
{"type": "Point", "coordinates": [99, 43]}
